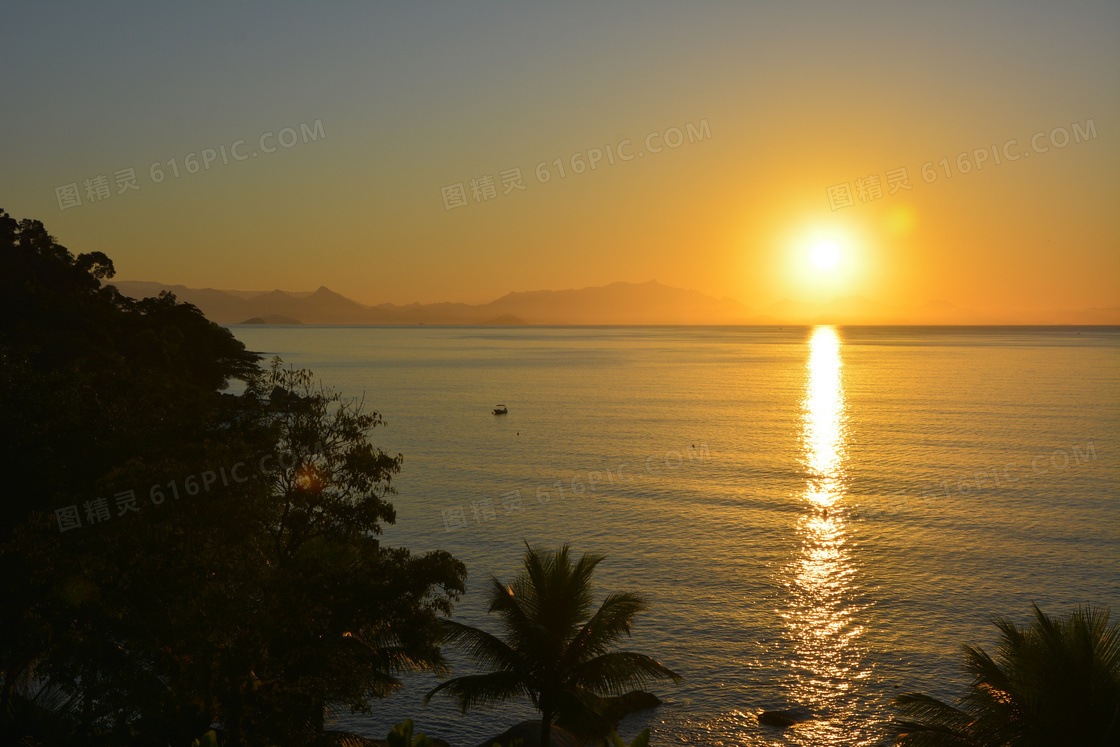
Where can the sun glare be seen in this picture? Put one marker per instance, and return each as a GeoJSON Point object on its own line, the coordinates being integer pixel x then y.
{"type": "Point", "coordinates": [821, 260]}
{"type": "Point", "coordinates": [825, 255]}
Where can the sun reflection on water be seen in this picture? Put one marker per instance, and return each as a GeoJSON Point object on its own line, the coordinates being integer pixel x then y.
{"type": "Point", "coordinates": [823, 417]}
{"type": "Point", "coordinates": [821, 616]}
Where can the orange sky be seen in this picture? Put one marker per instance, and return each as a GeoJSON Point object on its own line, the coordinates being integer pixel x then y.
{"type": "Point", "coordinates": [784, 100]}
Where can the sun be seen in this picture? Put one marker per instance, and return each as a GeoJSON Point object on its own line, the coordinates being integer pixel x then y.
{"type": "Point", "coordinates": [825, 255]}
{"type": "Point", "coordinates": [821, 260]}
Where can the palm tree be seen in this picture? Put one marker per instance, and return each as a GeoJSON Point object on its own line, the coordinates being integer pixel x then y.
{"type": "Point", "coordinates": [555, 651]}
{"type": "Point", "coordinates": [1054, 682]}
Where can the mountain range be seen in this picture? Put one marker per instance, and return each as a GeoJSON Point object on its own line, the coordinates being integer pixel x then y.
{"type": "Point", "coordinates": [618, 303]}
{"type": "Point", "coordinates": [650, 303]}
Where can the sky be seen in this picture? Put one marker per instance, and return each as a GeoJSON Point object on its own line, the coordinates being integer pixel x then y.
{"type": "Point", "coordinates": [897, 151]}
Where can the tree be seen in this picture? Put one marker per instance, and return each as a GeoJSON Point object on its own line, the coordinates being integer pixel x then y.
{"type": "Point", "coordinates": [259, 602]}
{"type": "Point", "coordinates": [339, 615]}
{"type": "Point", "coordinates": [261, 607]}
{"type": "Point", "coordinates": [1054, 682]}
{"type": "Point", "coordinates": [90, 379]}
{"type": "Point", "coordinates": [555, 651]}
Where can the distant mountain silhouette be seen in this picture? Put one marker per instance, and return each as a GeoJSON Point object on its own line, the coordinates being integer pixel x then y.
{"type": "Point", "coordinates": [617, 303]}
{"type": "Point", "coordinates": [272, 319]}
{"type": "Point", "coordinates": [324, 306]}
{"type": "Point", "coordinates": [622, 303]}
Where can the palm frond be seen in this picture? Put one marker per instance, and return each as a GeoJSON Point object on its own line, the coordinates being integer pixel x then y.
{"type": "Point", "coordinates": [1054, 681]}
{"type": "Point", "coordinates": [618, 672]}
{"type": "Point", "coordinates": [553, 649]}
{"type": "Point", "coordinates": [511, 605]}
{"type": "Point", "coordinates": [554, 592]}
{"type": "Point", "coordinates": [484, 648]}
{"type": "Point", "coordinates": [609, 623]}
{"type": "Point", "coordinates": [479, 690]}
{"type": "Point", "coordinates": [928, 722]}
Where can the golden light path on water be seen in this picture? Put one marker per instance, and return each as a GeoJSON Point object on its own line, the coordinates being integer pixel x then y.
{"type": "Point", "coordinates": [820, 619]}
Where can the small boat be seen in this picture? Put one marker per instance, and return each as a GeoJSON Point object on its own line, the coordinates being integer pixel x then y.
{"type": "Point", "coordinates": [500, 410]}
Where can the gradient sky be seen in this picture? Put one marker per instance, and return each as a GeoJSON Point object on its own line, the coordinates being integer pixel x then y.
{"type": "Point", "coordinates": [798, 97]}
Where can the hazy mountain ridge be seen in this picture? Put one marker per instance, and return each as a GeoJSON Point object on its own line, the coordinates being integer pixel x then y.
{"type": "Point", "coordinates": [624, 303]}
{"type": "Point", "coordinates": [617, 303]}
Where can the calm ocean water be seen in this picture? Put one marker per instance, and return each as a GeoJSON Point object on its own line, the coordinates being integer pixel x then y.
{"type": "Point", "coordinates": [819, 517]}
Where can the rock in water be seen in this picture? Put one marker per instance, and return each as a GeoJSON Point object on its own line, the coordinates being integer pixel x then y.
{"type": "Point", "coordinates": [593, 730]}
{"type": "Point", "coordinates": [530, 732]}
{"type": "Point", "coordinates": [622, 706]}
{"type": "Point", "coordinates": [784, 719]}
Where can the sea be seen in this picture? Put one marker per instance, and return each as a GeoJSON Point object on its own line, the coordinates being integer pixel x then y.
{"type": "Point", "coordinates": [818, 517]}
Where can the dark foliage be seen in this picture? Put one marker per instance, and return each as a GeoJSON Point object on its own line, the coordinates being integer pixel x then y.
{"type": "Point", "coordinates": [1052, 683]}
{"type": "Point", "coordinates": [248, 591]}
{"type": "Point", "coordinates": [556, 650]}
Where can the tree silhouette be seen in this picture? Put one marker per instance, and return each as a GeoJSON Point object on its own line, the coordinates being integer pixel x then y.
{"type": "Point", "coordinates": [262, 602]}
{"type": "Point", "coordinates": [555, 651]}
{"type": "Point", "coordinates": [1054, 682]}
{"type": "Point", "coordinates": [89, 379]}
